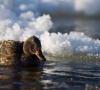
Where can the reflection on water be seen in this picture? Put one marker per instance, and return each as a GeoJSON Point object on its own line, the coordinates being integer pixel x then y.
{"type": "Point", "coordinates": [57, 74]}
{"type": "Point", "coordinates": [20, 78]}
{"type": "Point", "coordinates": [71, 74]}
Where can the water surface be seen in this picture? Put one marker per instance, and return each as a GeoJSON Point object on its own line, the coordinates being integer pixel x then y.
{"type": "Point", "coordinates": [57, 74]}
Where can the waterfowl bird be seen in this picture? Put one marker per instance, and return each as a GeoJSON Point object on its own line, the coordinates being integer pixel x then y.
{"type": "Point", "coordinates": [16, 53]}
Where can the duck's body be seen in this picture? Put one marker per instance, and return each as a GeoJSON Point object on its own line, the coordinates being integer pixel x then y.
{"type": "Point", "coordinates": [15, 53]}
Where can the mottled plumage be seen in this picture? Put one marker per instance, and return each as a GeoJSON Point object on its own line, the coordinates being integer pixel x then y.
{"type": "Point", "coordinates": [16, 53]}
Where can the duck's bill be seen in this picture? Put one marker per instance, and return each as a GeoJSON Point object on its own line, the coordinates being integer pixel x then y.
{"type": "Point", "coordinates": [39, 54]}
{"type": "Point", "coordinates": [41, 57]}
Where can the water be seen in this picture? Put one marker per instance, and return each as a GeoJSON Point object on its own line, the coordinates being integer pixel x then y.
{"type": "Point", "coordinates": [57, 74]}
{"type": "Point", "coordinates": [79, 72]}
{"type": "Point", "coordinates": [90, 27]}
{"type": "Point", "coordinates": [66, 74]}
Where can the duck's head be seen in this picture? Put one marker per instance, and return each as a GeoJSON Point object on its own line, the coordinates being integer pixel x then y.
{"type": "Point", "coordinates": [33, 46]}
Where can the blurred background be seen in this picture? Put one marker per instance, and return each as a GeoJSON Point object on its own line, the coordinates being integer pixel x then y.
{"type": "Point", "coordinates": [67, 15]}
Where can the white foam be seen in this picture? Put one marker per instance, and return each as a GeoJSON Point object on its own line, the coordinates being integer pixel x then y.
{"type": "Point", "coordinates": [22, 26]}
{"type": "Point", "coordinates": [64, 44]}
{"type": "Point", "coordinates": [56, 44]}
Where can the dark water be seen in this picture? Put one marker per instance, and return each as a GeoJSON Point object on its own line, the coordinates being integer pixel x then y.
{"type": "Point", "coordinates": [90, 27]}
{"type": "Point", "coordinates": [58, 73]}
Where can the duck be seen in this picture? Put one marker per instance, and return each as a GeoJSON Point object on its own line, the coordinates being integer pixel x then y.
{"type": "Point", "coordinates": [17, 53]}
